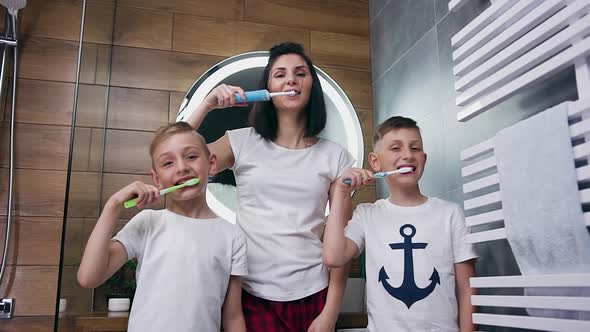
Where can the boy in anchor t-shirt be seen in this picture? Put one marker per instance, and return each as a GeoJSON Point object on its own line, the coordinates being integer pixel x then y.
{"type": "Point", "coordinates": [417, 260]}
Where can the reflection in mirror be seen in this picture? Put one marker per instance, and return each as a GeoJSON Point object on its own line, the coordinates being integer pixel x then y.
{"type": "Point", "coordinates": [245, 70]}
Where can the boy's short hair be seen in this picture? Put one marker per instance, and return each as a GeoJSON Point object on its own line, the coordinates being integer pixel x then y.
{"type": "Point", "coordinates": [393, 123]}
{"type": "Point", "coordinates": [172, 129]}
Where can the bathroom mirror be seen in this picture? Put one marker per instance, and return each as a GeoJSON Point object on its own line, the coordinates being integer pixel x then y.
{"type": "Point", "coordinates": [245, 70]}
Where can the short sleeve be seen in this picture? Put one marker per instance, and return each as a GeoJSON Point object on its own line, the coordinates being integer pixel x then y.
{"type": "Point", "coordinates": [237, 141]}
{"type": "Point", "coordinates": [462, 250]}
{"type": "Point", "coordinates": [239, 260]}
{"type": "Point", "coordinates": [355, 230]}
{"type": "Point", "coordinates": [134, 233]}
{"type": "Point", "coordinates": [345, 162]}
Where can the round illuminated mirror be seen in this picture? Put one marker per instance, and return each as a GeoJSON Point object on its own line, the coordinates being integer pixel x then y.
{"type": "Point", "coordinates": [245, 70]}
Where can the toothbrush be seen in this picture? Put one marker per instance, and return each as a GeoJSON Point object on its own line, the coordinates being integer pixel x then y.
{"type": "Point", "coordinates": [385, 174]}
{"type": "Point", "coordinates": [133, 202]}
{"type": "Point", "coordinates": [262, 95]}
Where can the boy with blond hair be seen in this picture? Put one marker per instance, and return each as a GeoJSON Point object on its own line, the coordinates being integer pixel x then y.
{"type": "Point", "coordinates": [418, 263]}
{"type": "Point", "coordinates": [189, 259]}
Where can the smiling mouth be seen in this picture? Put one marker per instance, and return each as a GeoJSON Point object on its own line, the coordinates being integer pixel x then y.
{"type": "Point", "coordinates": [410, 166]}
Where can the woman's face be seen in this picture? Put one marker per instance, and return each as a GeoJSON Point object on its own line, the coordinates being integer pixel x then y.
{"type": "Point", "coordinates": [290, 73]}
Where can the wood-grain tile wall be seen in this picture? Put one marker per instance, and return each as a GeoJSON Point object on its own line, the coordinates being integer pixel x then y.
{"type": "Point", "coordinates": [139, 58]}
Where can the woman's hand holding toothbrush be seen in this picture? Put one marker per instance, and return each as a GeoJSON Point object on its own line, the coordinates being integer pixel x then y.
{"type": "Point", "coordinates": [221, 96]}
{"type": "Point", "coordinates": [224, 96]}
{"type": "Point", "coordinates": [146, 195]}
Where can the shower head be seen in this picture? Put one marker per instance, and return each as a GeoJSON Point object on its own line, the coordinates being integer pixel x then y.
{"type": "Point", "coordinates": [13, 5]}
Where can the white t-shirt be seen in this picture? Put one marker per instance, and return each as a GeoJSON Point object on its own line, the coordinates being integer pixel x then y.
{"type": "Point", "coordinates": [436, 230]}
{"type": "Point", "coordinates": [282, 196]}
{"type": "Point", "coordinates": [183, 271]}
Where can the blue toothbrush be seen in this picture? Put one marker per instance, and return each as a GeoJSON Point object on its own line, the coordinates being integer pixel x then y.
{"type": "Point", "coordinates": [261, 95]}
{"type": "Point", "coordinates": [385, 174]}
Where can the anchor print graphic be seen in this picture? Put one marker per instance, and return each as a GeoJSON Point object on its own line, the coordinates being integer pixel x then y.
{"type": "Point", "coordinates": [409, 293]}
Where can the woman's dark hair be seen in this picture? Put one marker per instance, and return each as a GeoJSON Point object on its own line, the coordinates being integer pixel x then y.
{"type": "Point", "coordinates": [263, 116]}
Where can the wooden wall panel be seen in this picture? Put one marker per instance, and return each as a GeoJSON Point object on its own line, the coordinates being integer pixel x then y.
{"type": "Point", "coordinates": [115, 182]}
{"type": "Point", "coordinates": [99, 22]}
{"type": "Point", "coordinates": [33, 240]}
{"type": "Point", "coordinates": [81, 152]}
{"type": "Point", "coordinates": [143, 28]}
{"type": "Point", "coordinates": [51, 19]}
{"type": "Point", "coordinates": [176, 99]}
{"type": "Point", "coordinates": [28, 324]}
{"type": "Point", "coordinates": [158, 70]}
{"type": "Point", "coordinates": [356, 84]}
{"type": "Point", "coordinates": [52, 103]}
{"type": "Point", "coordinates": [127, 152]}
{"type": "Point", "coordinates": [92, 106]}
{"type": "Point", "coordinates": [366, 119]}
{"type": "Point", "coordinates": [34, 287]}
{"type": "Point", "coordinates": [202, 35]}
{"type": "Point", "coordinates": [84, 195]}
{"type": "Point", "coordinates": [36, 192]}
{"type": "Point", "coordinates": [36, 146]}
{"type": "Point", "coordinates": [339, 50]}
{"type": "Point", "coordinates": [344, 16]}
{"type": "Point", "coordinates": [88, 146]}
{"type": "Point", "coordinates": [74, 240]}
{"type": "Point", "coordinates": [227, 9]}
{"type": "Point", "coordinates": [79, 299]}
{"type": "Point", "coordinates": [95, 66]}
{"type": "Point", "coordinates": [95, 162]}
{"type": "Point", "coordinates": [48, 59]}
{"type": "Point", "coordinates": [137, 109]}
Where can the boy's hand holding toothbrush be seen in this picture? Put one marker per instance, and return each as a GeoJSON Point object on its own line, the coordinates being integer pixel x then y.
{"type": "Point", "coordinates": [146, 195]}
{"type": "Point", "coordinates": [354, 178]}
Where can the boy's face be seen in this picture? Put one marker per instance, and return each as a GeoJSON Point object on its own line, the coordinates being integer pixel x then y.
{"type": "Point", "coordinates": [178, 159]}
{"type": "Point", "coordinates": [400, 148]}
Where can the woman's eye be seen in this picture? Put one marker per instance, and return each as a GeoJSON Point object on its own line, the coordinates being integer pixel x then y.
{"type": "Point", "coordinates": [301, 74]}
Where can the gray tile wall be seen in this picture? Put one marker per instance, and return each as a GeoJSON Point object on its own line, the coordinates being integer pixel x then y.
{"type": "Point", "coordinates": [412, 76]}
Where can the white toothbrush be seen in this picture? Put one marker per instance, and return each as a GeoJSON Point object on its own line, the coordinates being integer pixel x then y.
{"type": "Point", "coordinates": [401, 170]}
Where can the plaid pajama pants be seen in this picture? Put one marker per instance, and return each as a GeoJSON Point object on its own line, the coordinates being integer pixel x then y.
{"type": "Point", "coordinates": [271, 316]}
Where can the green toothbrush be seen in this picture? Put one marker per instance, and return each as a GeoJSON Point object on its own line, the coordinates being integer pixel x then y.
{"type": "Point", "coordinates": [133, 202]}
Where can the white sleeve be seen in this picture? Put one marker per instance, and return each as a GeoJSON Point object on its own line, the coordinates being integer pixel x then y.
{"type": "Point", "coordinates": [133, 234]}
{"type": "Point", "coordinates": [345, 162]}
{"type": "Point", "coordinates": [355, 230]}
{"type": "Point", "coordinates": [237, 142]}
{"type": "Point", "coordinates": [462, 250]}
{"type": "Point", "coordinates": [239, 261]}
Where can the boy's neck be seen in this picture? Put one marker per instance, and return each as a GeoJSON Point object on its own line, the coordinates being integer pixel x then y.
{"type": "Point", "coordinates": [194, 208]}
{"type": "Point", "coordinates": [409, 196]}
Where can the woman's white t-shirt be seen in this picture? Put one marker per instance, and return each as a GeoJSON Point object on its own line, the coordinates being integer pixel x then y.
{"type": "Point", "coordinates": [282, 197]}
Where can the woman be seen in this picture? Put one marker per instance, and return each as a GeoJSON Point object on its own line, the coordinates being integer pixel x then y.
{"type": "Point", "coordinates": [283, 175]}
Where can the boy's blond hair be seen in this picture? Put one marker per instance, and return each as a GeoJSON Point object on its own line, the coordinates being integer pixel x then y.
{"type": "Point", "coordinates": [172, 129]}
{"type": "Point", "coordinates": [393, 123]}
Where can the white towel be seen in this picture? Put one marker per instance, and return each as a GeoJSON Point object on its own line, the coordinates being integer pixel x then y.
{"type": "Point", "coordinates": [541, 201]}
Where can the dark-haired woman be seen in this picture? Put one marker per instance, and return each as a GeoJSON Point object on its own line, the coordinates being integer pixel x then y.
{"type": "Point", "coordinates": [283, 175]}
